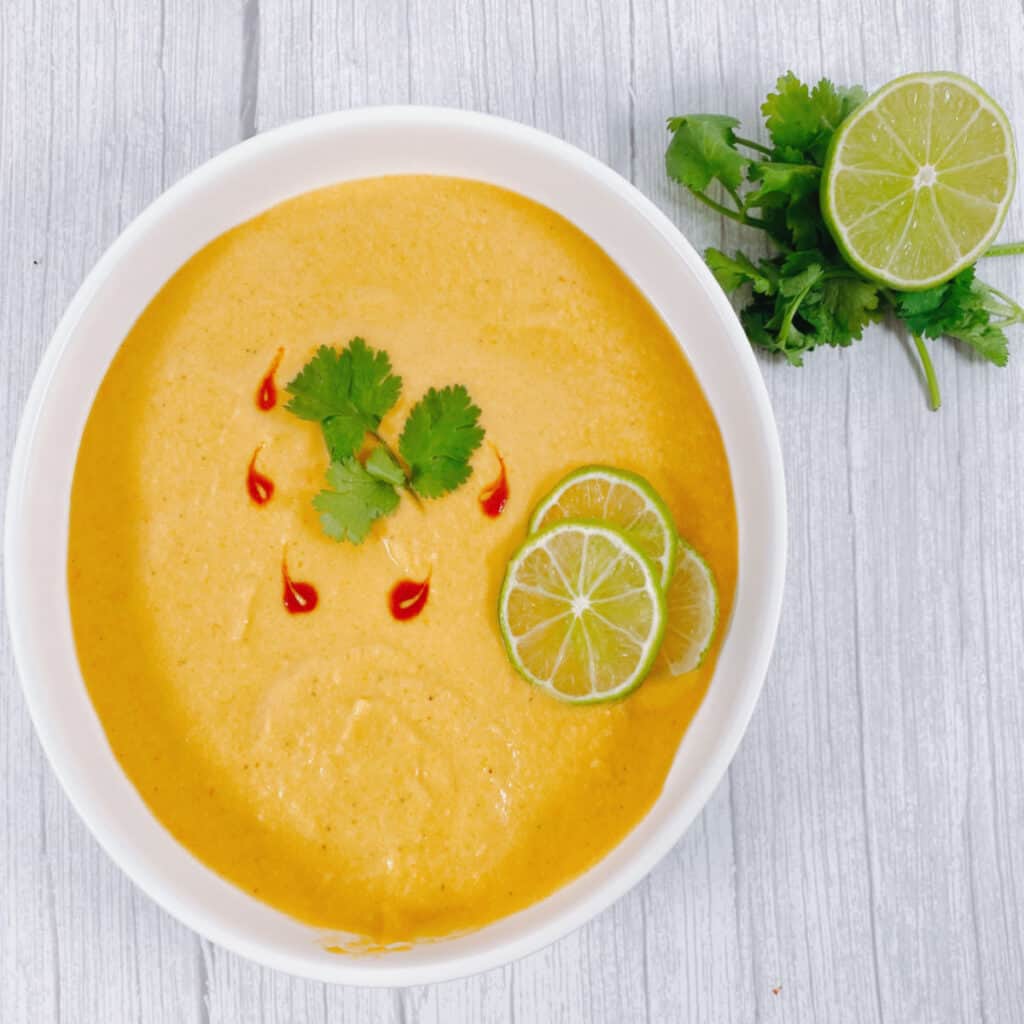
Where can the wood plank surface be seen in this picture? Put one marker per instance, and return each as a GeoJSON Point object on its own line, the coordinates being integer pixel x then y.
{"type": "Point", "coordinates": [863, 860]}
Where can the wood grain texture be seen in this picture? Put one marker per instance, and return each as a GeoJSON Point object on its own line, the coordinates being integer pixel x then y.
{"type": "Point", "coordinates": [865, 850]}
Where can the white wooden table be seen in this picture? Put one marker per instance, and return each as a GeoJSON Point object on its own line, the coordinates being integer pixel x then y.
{"type": "Point", "coordinates": [863, 860]}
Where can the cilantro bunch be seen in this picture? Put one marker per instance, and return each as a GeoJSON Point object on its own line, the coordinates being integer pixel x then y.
{"type": "Point", "coordinates": [348, 392]}
{"type": "Point", "coordinates": [806, 294]}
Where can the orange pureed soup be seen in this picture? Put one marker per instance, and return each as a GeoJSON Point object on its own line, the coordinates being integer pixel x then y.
{"type": "Point", "coordinates": [394, 779]}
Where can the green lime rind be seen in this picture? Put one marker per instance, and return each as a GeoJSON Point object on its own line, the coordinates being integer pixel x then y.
{"type": "Point", "coordinates": [652, 643]}
{"type": "Point", "coordinates": [690, 661]}
{"type": "Point", "coordinates": [665, 559]}
{"type": "Point", "coordinates": [834, 165]}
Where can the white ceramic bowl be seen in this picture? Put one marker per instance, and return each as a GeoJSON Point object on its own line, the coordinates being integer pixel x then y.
{"type": "Point", "coordinates": [224, 192]}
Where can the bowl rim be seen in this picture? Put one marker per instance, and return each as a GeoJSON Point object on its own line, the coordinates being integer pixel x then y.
{"type": "Point", "coordinates": [18, 517]}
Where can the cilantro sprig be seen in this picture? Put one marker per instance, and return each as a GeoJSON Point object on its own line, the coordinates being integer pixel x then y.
{"type": "Point", "coordinates": [349, 392]}
{"type": "Point", "coordinates": [805, 294]}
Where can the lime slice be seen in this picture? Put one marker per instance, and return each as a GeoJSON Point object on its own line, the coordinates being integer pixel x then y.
{"type": "Point", "coordinates": [621, 499]}
{"type": "Point", "coordinates": [918, 180]}
{"type": "Point", "coordinates": [692, 603]}
{"type": "Point", "coordinates": [582, 612]}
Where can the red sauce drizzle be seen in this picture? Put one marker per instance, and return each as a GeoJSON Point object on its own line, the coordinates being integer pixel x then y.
{"type": "Point", "coordinates": [408, 598]}
{"type": "Point", "coordinates": [266, 396]}
{"type": "Point", "coordinates": [260, 487]}
{"type": "Point", "coordinates": [299, 598]}
{"type": "Point", "coordinates": [494, 496]}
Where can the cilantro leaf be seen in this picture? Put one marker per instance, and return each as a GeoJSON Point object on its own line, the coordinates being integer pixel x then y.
{"type": "Point", "coordinates": [800, 301]}
{"type": "Point", "coordinates": [382, 465]}
{"type": "Point", "coordinates": [344, 433]}
{"type": "Point", "coordinates": [988, 340]}
{"type": "Point", "coordinates": [354, 500]}
{"type": "Point", "coordinates": [933, 311]}
{"type": "Point", "coordinates": [375, 389]}
{"type": "Point", "coordinates": [852, 304]}
{"type": "Point", "coordinates": [733, 272]}
{"type": "Point", "coordinates": [961, 309]}
{"type": "Point", "coordinates": [919, 310]}
{"type": "Point", "coordinates": [802, 121]}
{"type": "Point", "coordinates": [782, 179]}
{"type": "Point", "coordinates": [790, 115]}
{"type": "Point", "coordinates": [321, 387]}
{"type": "Point", "coordinates": [792, 191]}
{"type": "Point", "coordinates": [835, 105]}
{"type": "Point", "coordinates": [702, 150]}
{"type": "Point", "coordinates": [440, 435]}
{"type": "Point", "coordinates": [800, 269]}
{"type": "Point", "coordinates": [347, 392]}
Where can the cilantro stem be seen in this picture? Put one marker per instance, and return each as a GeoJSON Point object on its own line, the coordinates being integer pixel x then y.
{"type": "Point", "coordinates": [751, 144]}
{"type": "Point", "coordinates": [929, 372]}
{"type": "Point", "coordinates": [841, 275]}
{"type": "Point", "coordinates": [740, 218]}
{"type": "Point", "coordinates": [1005, 249]}
{"type": "Point", "coordinates": [934, 398]}
{"type": "Point", "coordinates": [401, 465]}
{"type": "Point", "coordinates": [787, 320]}
{"type": "Point", "coordinates": [735, 196]}
{"type": "Point", "coordinates": [1013, 314]}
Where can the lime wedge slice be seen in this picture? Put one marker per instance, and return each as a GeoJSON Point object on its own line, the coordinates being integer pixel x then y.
{"type": "Point", "coordinates": [918, 180]}
{"type": "Point", "coordinates": [621, 499]}
{"type": "Point", "coordinates": [582, 612]}
{"type": "Point", "coordinates": [692, 603]}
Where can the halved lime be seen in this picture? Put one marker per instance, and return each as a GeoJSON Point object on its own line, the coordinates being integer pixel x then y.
{"type": "Point", "coordinates": [692, 603]}
{"type": "Point", "coordinates": [622, 499]}
{"type": "Point", "coordinates": [582, 612]}
{"type": "Point", "coordinates": [918, 180]}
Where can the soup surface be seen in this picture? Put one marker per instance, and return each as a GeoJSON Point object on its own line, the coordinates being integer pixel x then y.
{"type": "Point", "coordinates": [394, 779]}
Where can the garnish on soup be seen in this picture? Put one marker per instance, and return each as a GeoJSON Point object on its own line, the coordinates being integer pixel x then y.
{"type": "Point", "coordinates": [408, 598]}
{"type": "Point", "coordinates": [348, 392]}
{"type": "Point", "coordinates": [602, 587]}
{"type": "Point", "coordinates": [494, 497]}
{"type": "Point", "coordinates": [299, 597]}
{"type": "Point", "coordinates": [259, 485]}
{"type": "Point", "coordinates": [266, 393]}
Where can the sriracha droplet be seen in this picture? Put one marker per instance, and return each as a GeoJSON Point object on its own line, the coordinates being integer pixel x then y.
{"type": "Point", "coordinates": [408, 597]}
{"type": "Point", "coordinates": [266, 395]}
{"type": "Point", "coordinates": [299, 598]}
{"type": "Point", "coordinates": [260, 487]}
{"type": "Point", "coordinates": [494, 496]}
